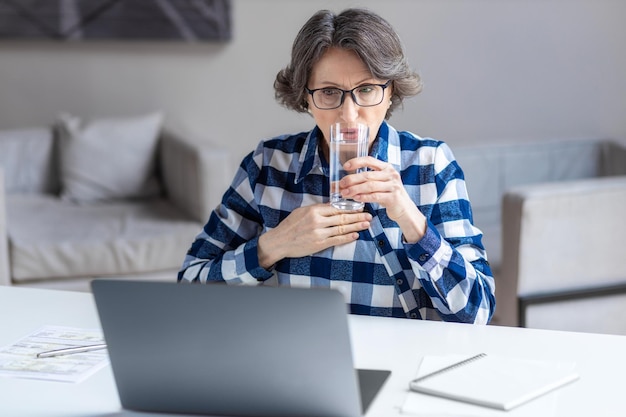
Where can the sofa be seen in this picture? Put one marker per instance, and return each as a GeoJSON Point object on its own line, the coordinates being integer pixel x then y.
{"type": "Point", "coordinates": [552, 214]}
{"type": "Point", "coordinates": [112, 197]}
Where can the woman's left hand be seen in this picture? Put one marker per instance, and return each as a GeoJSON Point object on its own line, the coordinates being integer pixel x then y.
{"type": "Point", "coordinates": [382, 184]}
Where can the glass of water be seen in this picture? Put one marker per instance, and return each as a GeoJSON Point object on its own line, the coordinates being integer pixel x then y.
{"type": "Point", "coordinates": [347, 141]}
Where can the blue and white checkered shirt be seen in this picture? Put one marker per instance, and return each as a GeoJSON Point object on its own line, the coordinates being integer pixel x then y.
{"type": "Point", "coordinates": [444, 276]}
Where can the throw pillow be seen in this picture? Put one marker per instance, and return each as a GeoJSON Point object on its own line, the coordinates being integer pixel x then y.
{"type": "Point", "coordinates": [108, 159]}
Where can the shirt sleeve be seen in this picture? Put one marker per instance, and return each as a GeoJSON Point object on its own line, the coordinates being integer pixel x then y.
{"type": "Point", "coordinates": [229, 252]}
{"type": "Point", "coordinates": [458, 278]}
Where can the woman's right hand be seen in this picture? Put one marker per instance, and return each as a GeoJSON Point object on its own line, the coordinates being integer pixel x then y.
{"type": "Point", "coordinates": [308, 230]}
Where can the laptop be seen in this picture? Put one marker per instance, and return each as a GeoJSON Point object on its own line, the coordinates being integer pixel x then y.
{"type": "Point", "coordinates": [232, 350]}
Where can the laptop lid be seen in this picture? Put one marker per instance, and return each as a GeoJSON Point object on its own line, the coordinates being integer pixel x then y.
{"type": "Point", "coordinates": [232, 350]}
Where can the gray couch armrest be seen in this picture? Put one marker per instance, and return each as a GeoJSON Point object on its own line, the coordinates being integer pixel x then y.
{"type": "Point", "coordinates": [613, 158]}
{"type": "Point", "coordinates": [195, 175]}
{"type": "Point", "coordinates": [5, 278]}
{"type": "Point", "coordinates": [559, 237]}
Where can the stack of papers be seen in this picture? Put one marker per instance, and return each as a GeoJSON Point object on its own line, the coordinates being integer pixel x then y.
{"type": "Point", "coordinates": [19, 360]}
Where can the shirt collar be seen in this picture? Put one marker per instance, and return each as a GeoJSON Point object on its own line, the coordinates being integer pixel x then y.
{"type": "Point", "coordinates": [387, 146]}
{"type": "Point", "coordinates": [379, 147]}
{"type": "Point", "coordinates": [310, 159]}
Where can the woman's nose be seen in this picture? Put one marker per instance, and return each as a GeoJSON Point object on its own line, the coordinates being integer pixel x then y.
{"type": "Point", "coordinates": [349, 110]}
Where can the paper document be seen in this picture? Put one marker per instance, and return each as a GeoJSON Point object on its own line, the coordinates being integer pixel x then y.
{"type": "Point", "coordinates": [19, 360]}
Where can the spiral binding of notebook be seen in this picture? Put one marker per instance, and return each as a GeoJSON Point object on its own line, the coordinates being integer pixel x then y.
{"type": "Point", "coordinates": [453, 366]}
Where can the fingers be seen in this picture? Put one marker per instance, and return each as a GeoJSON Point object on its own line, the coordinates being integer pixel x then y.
{"type": "Point", "coordinates": [343, 226]}
{"type": "Point", "coordinates": [332, 216]}
{"type": "Point", "coordinates": [345, 229]}
{"type": "Point", "coordinates": [349, 220]}
{"type": "Point", "coordinates": [341, 239]}
{"type": "Point", "coordinates": [370, 182]}
{"type": "Point", "coordinates": [365, 162]}
{"type": "Point", "coordinates": [330, 221]}
{"type": "Point", "coordinates": [376, 171]}
{"type": "Point", "coordinates": [381, 183]}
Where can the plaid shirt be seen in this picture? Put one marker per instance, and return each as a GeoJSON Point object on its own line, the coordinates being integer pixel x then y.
{"type": "Point", "coordinates": [444, 276]}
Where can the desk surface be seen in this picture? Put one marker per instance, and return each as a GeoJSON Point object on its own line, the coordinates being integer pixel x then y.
{"type": "Point", "coordinates": [378, 343]}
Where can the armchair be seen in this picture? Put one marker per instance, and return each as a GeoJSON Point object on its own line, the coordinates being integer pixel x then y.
{"type": "Point", "coordinates": [565, 257]}
{"type": "Point", "coordinates": [552, 214]}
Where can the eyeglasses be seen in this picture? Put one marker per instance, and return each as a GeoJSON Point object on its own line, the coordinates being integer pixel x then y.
{"type": "Point", "coordinates": [366, 95]}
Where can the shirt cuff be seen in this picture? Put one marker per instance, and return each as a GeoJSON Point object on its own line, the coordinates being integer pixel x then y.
{"type": "Point", "coordinates": [423, 250]}
{"type": "Point", "coordinates": [251, 256]}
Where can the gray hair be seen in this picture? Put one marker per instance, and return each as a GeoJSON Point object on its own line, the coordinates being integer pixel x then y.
{"type": "Point", "coordinates": [359, 30]}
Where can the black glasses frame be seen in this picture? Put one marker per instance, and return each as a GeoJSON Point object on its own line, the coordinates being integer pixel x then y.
{"type": "Point", "coordinates": [343, 95]}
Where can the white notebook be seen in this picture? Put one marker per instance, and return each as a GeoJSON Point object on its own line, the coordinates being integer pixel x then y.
{"type": "Point", "coordinates": [498, 382]}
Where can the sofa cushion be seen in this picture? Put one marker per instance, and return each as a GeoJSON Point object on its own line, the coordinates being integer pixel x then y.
{"type": "Point", "coordinates": [109, 159]}
{"type": "Point", "coordinates": [27, 157]}
{"type": "Point", "coordinates": [550, 162]}
{"type": "Point", "coordinates": [94, 240]}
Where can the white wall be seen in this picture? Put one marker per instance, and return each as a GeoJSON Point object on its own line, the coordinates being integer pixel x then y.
{"type": "Point", "coordinates": [494, 70]}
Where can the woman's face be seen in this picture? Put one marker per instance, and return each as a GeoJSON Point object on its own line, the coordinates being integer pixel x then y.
{"type": "Point", "coordinates": [342, 68]}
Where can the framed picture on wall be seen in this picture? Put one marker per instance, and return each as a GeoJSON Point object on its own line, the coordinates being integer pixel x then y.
{"type": "Point", "coordinates": [139, 20]}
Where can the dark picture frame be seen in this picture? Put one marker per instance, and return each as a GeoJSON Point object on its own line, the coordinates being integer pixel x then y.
{"type": "Point", "coordinates": [139, 20]}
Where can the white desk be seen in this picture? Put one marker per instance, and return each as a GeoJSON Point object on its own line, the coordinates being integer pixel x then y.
{"type": "Point", "coordinates": [378, 343]}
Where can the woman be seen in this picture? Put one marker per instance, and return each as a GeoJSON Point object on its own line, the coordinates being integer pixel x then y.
{"type": "Point", "coordinates": [412, 252]}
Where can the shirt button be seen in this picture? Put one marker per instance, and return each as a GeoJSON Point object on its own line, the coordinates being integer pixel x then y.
{"type": "Point", "coordinates": [413, 315]}
{"type": "Point", "coordinates": [381, 243]}
{"type": "Point", "coordinates": [423, 257]}
{"type": "Point", "coordinates": [399, 281]}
